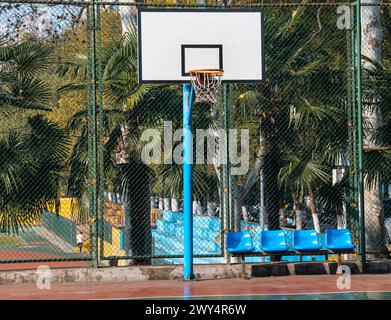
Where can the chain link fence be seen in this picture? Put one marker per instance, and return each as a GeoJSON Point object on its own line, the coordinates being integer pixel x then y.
{"type": "Point", "coordinates": [376, 72]}
{"type": "Point", "coordinates": [42, 125]}
{"type": "Point", "coordinates": [76, 128]}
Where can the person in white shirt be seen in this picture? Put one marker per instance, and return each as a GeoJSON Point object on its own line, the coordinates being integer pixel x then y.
{"type": "Point", "coordinates": [79, 240]}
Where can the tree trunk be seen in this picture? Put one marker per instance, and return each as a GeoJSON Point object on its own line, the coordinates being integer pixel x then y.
{"type": "Point", "coordinates": [375, 237]}
{"type": "Point", "coordinates": [315, 219]}
{"type": "Point", "coordinates": [174, 205]}
{"type": "Point", "coordinates": [338, 174]}
{"type": "Point", "coordinates": [314, 212]}
{"type": "Point", "coordinates": [211, 207]}
{"type": "Point", "coordinates": [197, 208]}
{"type": "Point", "coordinates": [250, 180]}
{"type": "Point", "coordinates": [137, 225]}
{"type": "Point", "coordinates": [342, 219]}
{"type": "Point", "coordinates": [262, 208]}
{"type": "Point", "coordinates": [245, 213]}
{"type": "Point", "coordinates": [153, 203]}
{"type": "Point", "coordinates": [371, 38]}
{"type": "Point", "coordinates": [273, 193]}
{"type": "Point", "coordinates": [161, 207]}
{"type": "Point", "coordinates": [121, 155]}
{"type": "Point", "coordinates": [281, 218]}
{"type": "Point", "coordinates": [299, 219]}
{"type": "Point", "coordinates": [110, 196]}
{"type": "Point", "coordinates": [137, 230]}
{"type": "Point", "coordinates": [167, 204]}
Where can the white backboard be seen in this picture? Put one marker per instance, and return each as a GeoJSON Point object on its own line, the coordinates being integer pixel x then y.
{"type": "Point", "coordinates": [173, 41]}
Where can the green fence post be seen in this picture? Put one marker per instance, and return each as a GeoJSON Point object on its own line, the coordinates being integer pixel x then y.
{"type": "Point", "coordinates": [231, 124]}
{"type": "Point", "coordinates": [360, 136]}
{"type": "Point", "coordinates": [89, 99]}
{"type": "Point", "coordinates": [101, 201]}
{"type": "Point", "coordinates": [352, 118]}
{"type": "Point", "coordinates": [225, 213]}
{"type": "Point", "coordinates": [95, 145]}
{"type": "Point", "coordinates": [92, 152]}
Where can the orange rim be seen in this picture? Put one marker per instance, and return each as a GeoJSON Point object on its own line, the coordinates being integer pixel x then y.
{"type": "Point", "coordinates": [212, 72]}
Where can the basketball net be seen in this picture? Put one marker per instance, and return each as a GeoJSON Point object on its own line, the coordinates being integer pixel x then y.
{"type": "Point", "coordinates": [206, 83]}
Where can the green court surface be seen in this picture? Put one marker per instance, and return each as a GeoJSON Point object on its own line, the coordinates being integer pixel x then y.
{"type": "Point", "coordinates": [310, 296]}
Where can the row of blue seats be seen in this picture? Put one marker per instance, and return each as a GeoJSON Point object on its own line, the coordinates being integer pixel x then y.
{"type": "Point", "coordinates": [275, 242]}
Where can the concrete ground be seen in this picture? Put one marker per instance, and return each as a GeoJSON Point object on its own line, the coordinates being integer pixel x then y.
{"type": "Point", "coordinates": [175, 288]}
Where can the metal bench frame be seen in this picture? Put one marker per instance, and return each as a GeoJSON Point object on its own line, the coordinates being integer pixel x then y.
{"type": "Point", "coordinates": [324, 252]}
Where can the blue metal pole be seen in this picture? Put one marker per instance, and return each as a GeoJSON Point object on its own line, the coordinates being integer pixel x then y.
{"type": "Point", "coordinates": [188, 96]}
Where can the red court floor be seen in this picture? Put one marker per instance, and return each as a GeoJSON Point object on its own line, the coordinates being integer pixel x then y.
{"type": "Point", "coordinates": [26, 255]}
{"type": "Point", "coordinates": [168, 288]}
{"type": "Point", "coordinates": [35, 265]}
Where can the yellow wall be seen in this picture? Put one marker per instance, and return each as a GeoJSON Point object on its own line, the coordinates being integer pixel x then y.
{"type": "Point", "coordinates": [113, 248]}
{"type": "Point", "coordinates": [68, 208]}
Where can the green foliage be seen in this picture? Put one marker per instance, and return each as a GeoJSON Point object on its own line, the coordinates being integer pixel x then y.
{"type": "Point", "coordinates": [299, 115]}
{"type": "Point", "coordinates": [30, 169]}
{"type": "Point", "coordinates": [23, 85]}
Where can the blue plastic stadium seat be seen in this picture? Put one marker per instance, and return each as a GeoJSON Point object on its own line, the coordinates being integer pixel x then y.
{"type": "Point", "coordinates": [273, 241]}
{"type": "Point", "coordinates": [339, 239]}
{"type": "Point", "coordinates": [239, 242]}
{"type": "Point", "coordinates": [306, 240]}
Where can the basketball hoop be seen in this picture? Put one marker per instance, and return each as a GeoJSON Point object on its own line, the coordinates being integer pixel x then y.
{"type": "Point", "coordinates": [206, 83]}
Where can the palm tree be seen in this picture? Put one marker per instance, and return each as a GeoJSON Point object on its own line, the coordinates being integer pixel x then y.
{"type": "Point", "coordinates": [297, 121]}
{"type": "Point", "coordinates": [22, 82]}
{"type": "Point", "coordinates": [377, 152]}
{"type": "Point", "coordinates": [302, 112]}
{"type": "Point", "coordinates": [128, 109]}
{"type": "Point", "coordinates": [29, 174]}
{"type": "Point", "coordinates": [305, 82]}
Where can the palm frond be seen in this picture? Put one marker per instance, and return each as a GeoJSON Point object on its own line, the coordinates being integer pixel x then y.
{"type": "Point", "coordinates": [377, 165]}
{"type": "Point", "coordinates": [302, 173]}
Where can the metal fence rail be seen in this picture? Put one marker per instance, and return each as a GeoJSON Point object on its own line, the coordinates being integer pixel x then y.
{"type": "Point", "coordinates": [74, 122]}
